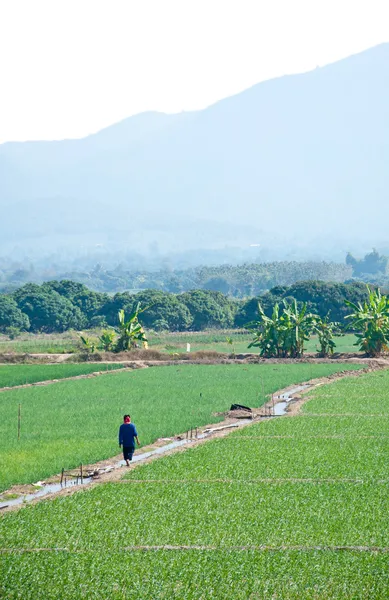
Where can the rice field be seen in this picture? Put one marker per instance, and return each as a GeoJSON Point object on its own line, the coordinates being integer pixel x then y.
{"type": "Point", "coordinates": [289, 508]}
{"type": "Point", "coordinates": [72, 422]}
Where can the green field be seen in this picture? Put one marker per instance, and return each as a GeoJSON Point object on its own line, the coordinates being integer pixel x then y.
{"type": "Point", "coordinates": [41, 343]}
{"type": "Point", "coordinates": [70, 422]}
{"type": "Point", "coordinates": [275, 510]}
{"type": "Point", "coordinates": [169, 343]}
{"type": "Point", "coordinates": [217, 341]}
{"type": "Point", "coordinates": [11, 375]}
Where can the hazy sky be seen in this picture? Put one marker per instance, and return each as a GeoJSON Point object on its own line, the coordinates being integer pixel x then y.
{"type": "Point", "coordinates": [71, 67]}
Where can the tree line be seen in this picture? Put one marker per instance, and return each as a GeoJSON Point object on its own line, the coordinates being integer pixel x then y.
{"type": "Point", "coordinates": [238, 281]}
{"type": "Point", "coordinates": [58, 306]}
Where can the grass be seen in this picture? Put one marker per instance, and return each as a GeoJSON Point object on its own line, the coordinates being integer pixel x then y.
{"type": "Point", "coordinates": [73, 422]}
{"type": "Point", "coordinates": [41, 343]}
{"type": "Point", "coordinates": [238, 538]}
{"type": "Point", "coordinates": [170, 343]}
{"type": "Point", "coordinates": [217, 341]}
{"type": "Point", "coordinates": [12, 375]}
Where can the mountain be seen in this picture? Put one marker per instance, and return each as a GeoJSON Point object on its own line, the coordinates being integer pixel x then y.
{"type": "Point", "coordinates": [292, 158]}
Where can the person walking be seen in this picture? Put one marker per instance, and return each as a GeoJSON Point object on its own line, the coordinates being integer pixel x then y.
{"type": "Point", "coordinates": [127, 436]}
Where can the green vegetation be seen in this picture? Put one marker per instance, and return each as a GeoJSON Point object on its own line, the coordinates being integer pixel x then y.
{"type": "Point", "coordinates": [240, 281]}
{"type": "Point", "coordinates": [61, 305]}
{"type": "Point", "coordinates": [371, 321]}
{"type": "Point", "coordinates": [214, 340]}
{"type": "Point", "coordinates": [369, 397]}
{"type": "Point", "coordinates": [243, 537]}
{"type": "Point", "coordinates": [307, 307]}
{"type": "Point", "coordinates": [370, 266]}
{"type": "Point", "coordinates": [284, 333]}
{"type": "Point", "coordinates": [253, 458]}
{"type": "Point", "coordinates": [215, 513]}
{"type": "Point", "coordinates": [71, 422]}
{"type": "Point", "coordinates": [196, 575]}
{"type": "Point", "coordinates": [11, 375]}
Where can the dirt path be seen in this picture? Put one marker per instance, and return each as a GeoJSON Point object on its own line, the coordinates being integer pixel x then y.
{"type": "Point", "coordinates": [220, 429]}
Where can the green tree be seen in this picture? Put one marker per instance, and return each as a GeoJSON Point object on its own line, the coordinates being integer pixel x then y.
{"type": "Point", "coordinates": [11, 316]}
{"type": "Point", "coordinates": [370, 320]}
{"type": "Point", "coordinates": [209, 309]}
{"type": "Point", "coordinates": [47, 310]}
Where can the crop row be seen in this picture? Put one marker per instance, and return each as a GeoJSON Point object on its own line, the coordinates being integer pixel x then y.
{"type": "Point", "coordinates": [368, 396]}
{"type": "Point", "coordinates": [119, 515]}
{"type": "Point", "coordinates": [195, 575]}
{"type": "Point", "coordinates": [310, 426]}
{"type": "Point", "coordinates": [11, 375]}
{"type": "Point", "coordinates": [239, 459]}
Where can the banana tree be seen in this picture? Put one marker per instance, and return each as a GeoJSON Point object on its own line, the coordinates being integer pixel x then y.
{"type": "Point", "coordinates": [130, 331]}
{"type": "Point", "coordinates": [269, 333]}
{"type": "Point", "coordinates": [370, 320]}
{"type": "Point", "coordinates": [298, 326]}
{"type": "Point", "coordinates": [87, 345]}
{"type": "Point", "coordinates": [325, 330]}
{"type": "Point", "coordinates": [106, 340]}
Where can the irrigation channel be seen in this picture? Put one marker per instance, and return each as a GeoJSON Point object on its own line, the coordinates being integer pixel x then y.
{"type": "Point", "coordinates": [277, 408]}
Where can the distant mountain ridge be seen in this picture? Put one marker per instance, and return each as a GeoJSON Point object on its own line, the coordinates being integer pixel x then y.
{"type": "Point", "coordinates": [298, 155]}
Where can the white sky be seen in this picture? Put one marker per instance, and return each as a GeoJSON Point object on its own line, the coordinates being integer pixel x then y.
{"type": "Point", "coordinates": [71, 67]}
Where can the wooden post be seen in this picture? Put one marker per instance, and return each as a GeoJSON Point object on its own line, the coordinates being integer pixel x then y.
{"type": "Point", "coordinates": [82, 478]}
{"type": "Point", "coordinates": [62, 475]}
{"type": "Point", "coordinates": [19, 419]}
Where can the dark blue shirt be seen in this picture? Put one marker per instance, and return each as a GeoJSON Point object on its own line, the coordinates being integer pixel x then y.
{"type": "Point", "coordinates": [127, 434]}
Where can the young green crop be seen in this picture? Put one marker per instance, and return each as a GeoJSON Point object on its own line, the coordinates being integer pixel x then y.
{"type": "Point", "coordinates": [12, 375]}
{"type": "Point", "coordinates": [196, 575]}
{"type": "Point", "coordinates": [252, 539]}
{"type": "Point", "coordinates": [250, 459]}
{"type": "Point", "coordinates": [73, 422]}
{"type": "Point", "coordinates": [223, 515]}
{"type": "Point", "coordinates": [368, 397]}
{"type": "Point", "coordinates": [307, 426]}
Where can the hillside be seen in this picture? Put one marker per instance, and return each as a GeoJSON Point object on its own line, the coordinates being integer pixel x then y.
{"type": "Point", "coordinates": [301, 155]}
